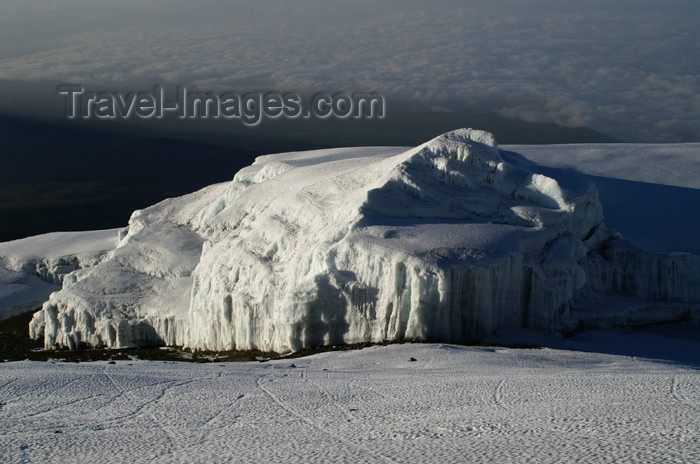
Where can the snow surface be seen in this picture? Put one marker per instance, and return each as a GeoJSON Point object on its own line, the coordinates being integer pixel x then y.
{"type": "Point", "coordinates": [32, 268]}
{"type": "Point", "coordinates": [21, 292]}
{"type": "Point", "coordinates": [453, 241]}
{"type": "Point", "coordinates": [453, 404]}
{"type": "Point", "coordinates": [650, 192]}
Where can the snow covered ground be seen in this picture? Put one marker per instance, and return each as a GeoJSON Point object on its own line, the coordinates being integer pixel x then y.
{"type": "Point", "coordinates": [453, 404]}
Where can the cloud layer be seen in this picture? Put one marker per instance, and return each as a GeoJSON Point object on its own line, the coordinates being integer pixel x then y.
{"type": "Point", "coordinates": [628, 69]}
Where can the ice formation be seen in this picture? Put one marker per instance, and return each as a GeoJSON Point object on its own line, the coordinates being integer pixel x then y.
{"type": "Point", "coordinates": [449, 241]}
{"type": "Point", "coordinates": [51, 256]}
{"type": "Point", "coordinates": [32, 268]}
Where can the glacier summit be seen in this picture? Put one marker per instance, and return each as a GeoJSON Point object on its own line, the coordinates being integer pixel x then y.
{"type": "Point", "coordinates": [449, 241]}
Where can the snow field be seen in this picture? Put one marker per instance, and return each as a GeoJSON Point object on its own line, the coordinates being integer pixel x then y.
{"type": "Point", "coordinates": [452, 404]}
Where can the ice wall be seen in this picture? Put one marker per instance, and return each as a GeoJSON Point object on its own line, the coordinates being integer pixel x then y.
{"type": "Point", "coordinates": [447, 241]}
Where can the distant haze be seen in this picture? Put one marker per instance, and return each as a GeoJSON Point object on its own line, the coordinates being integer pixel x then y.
{"type": "Point", "coordinates": [628, 69]}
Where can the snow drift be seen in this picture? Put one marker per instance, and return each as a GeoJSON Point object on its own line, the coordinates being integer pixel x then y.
{"type": "Point", "coordinates": [449, 241]}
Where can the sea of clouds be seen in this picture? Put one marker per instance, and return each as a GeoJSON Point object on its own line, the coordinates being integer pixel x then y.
{"type": "Point", "coordinates": [629, 69]}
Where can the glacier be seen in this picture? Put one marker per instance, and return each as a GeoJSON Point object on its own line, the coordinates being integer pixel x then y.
{"type": "Point", "coordinates": [34, 267]}
{"type": "Point", "coordinates": [449, 241]}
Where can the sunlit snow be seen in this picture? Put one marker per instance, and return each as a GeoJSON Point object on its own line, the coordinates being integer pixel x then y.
{"type": "Point", "coordinates": [453, 404]}
{"type": "Point", "coordinates": [450, 241]}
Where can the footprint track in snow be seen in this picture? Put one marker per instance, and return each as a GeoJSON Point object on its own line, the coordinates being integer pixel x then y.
{"type": "Point", "coordinates": [291, 410]}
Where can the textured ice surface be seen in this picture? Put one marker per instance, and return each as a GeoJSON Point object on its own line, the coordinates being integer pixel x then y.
{"type": "Point", "coordinates": [51, 256]}
{"type": "Point", "coordinates": [32, 268]}
{"type": "Point", "coordinates": [451, 241]}
{"type": "Point", "coordinates": [21, 292]}
{"type": "Point", "coordinates": [650, 192]}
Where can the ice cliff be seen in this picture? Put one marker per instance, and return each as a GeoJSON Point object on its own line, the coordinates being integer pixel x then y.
{"type": "Point", "coordinates": [449, 241]}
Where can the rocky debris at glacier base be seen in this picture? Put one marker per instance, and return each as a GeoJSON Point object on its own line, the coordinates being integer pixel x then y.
{"type": "Point", "coordinates": [450, 241]}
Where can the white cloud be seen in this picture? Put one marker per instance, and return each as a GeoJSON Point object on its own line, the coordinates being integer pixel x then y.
{"type": "Point", "coordinates": [629, 69]}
